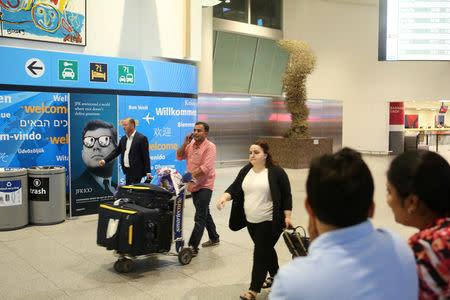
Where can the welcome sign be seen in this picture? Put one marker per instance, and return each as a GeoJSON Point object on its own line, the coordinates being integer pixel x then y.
{"type": "Point", "coordinates": [165, 122]}
{"type": "Point", "coordinates": [33, 129]}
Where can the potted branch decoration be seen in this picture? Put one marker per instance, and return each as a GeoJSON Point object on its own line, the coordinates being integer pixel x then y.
{"type": "Point", "coordinates": [297, 148]}
{"type": "Point", "coordinates": [301, 63]}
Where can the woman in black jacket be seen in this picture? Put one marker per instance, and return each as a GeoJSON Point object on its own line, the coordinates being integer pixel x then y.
{"type": "Point", "coordinates": [262, 202]}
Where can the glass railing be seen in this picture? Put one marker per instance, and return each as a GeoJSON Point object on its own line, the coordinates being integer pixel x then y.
{"type": "Point", "coordinates": [436, 139]}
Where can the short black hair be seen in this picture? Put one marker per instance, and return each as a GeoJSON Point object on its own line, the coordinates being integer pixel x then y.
{"type": "Point", "coordinates": [205, 125]}
{"type": "Point", "coordinates": [96, 124]}
{"type": "Point", "coordinates": [425, 174]}
{"type": "Point", "coordinates": [340, 188]}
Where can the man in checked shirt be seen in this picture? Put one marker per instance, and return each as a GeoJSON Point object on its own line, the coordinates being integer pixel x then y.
{"type": "Point", "coordinates": [200, 155]}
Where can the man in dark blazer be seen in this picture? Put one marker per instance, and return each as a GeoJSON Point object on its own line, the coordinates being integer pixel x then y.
{"type": "Point", "coordinates": [133, 147]}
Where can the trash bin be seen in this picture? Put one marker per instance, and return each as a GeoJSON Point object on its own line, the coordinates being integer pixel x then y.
{"type": "Point", "coordinates": [13, 198]}
{"type": "Point", "coordinates": [47, 194]}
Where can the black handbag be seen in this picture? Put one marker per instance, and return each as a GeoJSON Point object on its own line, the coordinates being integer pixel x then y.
{"type": "Point", "coordinates": [297, 242]}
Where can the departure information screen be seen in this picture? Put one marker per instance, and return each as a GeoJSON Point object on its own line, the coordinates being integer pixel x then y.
{"type": "Point", "coordinates": [417, 29]}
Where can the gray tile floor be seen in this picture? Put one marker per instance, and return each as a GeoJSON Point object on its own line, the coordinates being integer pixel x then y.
{"type": "Point", "coordinates": [63, 261]}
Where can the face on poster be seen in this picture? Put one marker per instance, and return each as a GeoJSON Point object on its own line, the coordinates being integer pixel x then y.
{"type": "Point", "coordinates": [165, 121]}
{"type": "Point", "coordinates": [93, 132]}
{"type": "Point", "coordinates": [33, 129]}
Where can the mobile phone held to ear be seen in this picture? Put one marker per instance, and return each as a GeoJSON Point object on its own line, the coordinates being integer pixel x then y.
{"type": "Point", "coordinates": [191, 136]}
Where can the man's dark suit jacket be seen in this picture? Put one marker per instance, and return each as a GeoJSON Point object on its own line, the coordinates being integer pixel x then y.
{"type": "Point", "coordinates": [138, 157]}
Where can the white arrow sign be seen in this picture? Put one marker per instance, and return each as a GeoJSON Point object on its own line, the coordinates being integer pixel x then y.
{"type": "Point", "coordinates": [35, 67]}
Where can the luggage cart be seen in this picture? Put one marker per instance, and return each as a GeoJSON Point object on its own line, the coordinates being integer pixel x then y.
{"type": "Point", "coordinates": [124, 263]}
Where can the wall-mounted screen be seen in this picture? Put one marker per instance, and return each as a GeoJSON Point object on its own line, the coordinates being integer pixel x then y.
{"type": "Point", "coordinates": [414, 30]}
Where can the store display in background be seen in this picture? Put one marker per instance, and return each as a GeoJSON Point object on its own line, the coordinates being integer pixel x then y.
{"type": "Point", "coordinates": [411, 121]}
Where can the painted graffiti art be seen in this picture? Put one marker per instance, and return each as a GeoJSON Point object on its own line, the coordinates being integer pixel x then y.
{"type": "Point", "coordinates": [60, 21]}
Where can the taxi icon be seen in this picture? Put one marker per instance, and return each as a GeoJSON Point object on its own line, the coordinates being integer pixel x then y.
{"type": "Point", "coordinates": [68, 73]}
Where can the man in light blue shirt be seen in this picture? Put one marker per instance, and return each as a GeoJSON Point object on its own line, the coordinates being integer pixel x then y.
{"type": "Point", "coordinates": [348, 258]}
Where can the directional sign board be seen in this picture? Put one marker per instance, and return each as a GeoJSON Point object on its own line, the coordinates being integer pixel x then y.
{"type": "Point", "coordinates": [18, 66]}
{"type": "Point", "coordinates": [98, 72]}
{"type": "Point", "coordinates": [35, 67]}
{"type": "Point", "coordinates": [125, 74]}
{"type": "Point", "coordinates": [68, 70]}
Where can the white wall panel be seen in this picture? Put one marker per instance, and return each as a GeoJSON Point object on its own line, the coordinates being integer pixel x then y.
{"type": "Point", "coordinates": [344, 36]}
{"type": "Point", "coordinates": [133, 29]}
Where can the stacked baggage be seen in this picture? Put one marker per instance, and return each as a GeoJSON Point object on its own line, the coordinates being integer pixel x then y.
{"type": "Point", "coordinates": [140, 222]}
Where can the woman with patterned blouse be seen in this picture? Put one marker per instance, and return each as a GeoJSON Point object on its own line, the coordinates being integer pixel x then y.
{"type": "Point", "coordinates": [419, 195]}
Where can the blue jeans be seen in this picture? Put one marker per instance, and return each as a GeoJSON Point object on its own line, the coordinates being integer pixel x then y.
{"type": "Point", "coordinates": [201, 199]}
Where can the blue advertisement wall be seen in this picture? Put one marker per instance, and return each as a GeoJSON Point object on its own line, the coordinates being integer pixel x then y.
{"type": "Point", "coordinates": [93, 135]}
{"type": "Point", "coordinates": [165, 121]}
{"type": "Point", "coordinates": [166, 91]}
{"type": "Point", "coordinates": [33, 129]}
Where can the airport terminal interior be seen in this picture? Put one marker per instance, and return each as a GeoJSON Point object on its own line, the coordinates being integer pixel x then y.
{"type": "Point", "coordinates": [226, 67]}
{"type": "Point", "coordinates": [63, 261]}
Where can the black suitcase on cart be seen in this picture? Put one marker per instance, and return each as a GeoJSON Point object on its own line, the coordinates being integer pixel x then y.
{"type": "Point", "coordinates": [134, 230]}
{"type": "Point", "coordinates": [147, 195]}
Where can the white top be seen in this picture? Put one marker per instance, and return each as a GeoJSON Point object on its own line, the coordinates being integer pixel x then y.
{"type": "Point", "coordinates": [258, 205]}
{"type": "Point", "coordinates": [126, 160]}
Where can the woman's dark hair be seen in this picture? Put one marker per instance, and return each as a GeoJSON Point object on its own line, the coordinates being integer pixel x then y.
{"type": "Point", "coordinates": [269, 160]}
{"type": "Point", "coordinates": [340, 188]}
{"type": "Point", "coordinates": [425, 174]}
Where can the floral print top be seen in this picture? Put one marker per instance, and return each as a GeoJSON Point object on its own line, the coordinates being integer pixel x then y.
{"type": "Point", "coordinates": [431, 247]}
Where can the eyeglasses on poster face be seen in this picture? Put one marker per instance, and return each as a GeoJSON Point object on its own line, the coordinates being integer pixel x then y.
{"type": "Point", "coordinates": [103, 141]}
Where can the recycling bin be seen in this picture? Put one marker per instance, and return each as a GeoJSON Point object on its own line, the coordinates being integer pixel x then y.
{"type": "Point", "coordinates": [47, 194]}
{"type": "Point", "coordinates": [13, 198]}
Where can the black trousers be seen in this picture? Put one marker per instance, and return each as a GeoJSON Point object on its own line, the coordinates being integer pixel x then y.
{"type": "Point", "coordinates": [129, 179]}
{"type": "Point", "coordinates": [265, 257]}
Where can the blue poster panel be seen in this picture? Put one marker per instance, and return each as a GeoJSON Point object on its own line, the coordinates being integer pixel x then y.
{"type": "Point", "coordinates": [33, 129]}
{"type": "Point", "coordinates": [165, 121]}
{"type": "Point", "coordinates": [61, 21]}
{"type": "Point", "coordinates": [93, 135]}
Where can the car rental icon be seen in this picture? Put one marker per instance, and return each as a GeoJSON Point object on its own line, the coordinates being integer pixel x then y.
{"type": "Point", "coordinates": [130, 78]}
{"type": "Point", "coordinates": [122, 79]}
{"type": "Point", "coordinates": [67, 72]}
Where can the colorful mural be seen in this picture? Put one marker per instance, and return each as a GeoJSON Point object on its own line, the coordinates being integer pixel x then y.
{"type": "Point", "coordinates": [60, 21]}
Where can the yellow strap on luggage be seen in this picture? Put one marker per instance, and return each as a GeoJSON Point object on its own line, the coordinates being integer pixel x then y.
{"type": "Point", "coordinates": [130, 234]}
{"type": "Point", "coordinates": [135, 187]}
{"type": "Point", "coordinates": [118, 209]}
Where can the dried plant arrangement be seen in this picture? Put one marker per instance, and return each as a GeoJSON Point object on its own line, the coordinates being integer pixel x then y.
{"type": "Point", "coordinates": [300, 64]}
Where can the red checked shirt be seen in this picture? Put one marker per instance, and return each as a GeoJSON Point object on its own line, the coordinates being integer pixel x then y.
{"type": "Point", "coordinates": [203, 157]}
